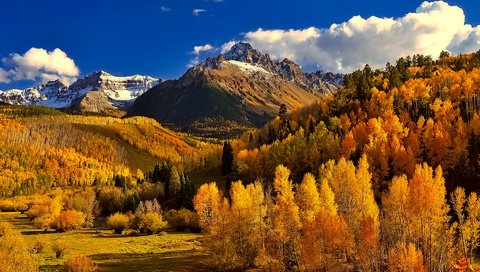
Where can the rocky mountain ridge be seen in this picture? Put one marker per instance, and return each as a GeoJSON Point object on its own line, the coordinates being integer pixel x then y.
{"type": "Point", "coordinates": [316, 82]}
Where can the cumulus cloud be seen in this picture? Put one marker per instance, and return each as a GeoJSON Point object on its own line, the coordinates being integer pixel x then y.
{"type": "Point", "coordinates": [197, 12]}
{"type": "Point", "coordinates": [197, 51]}
{"type": "Point", "coordinates": [202, 48]}
{"type": "Point", "coordinates": [343, 47]}
{"type": "Point", "coordinates": [40, 64]}
{"type": "Point", "coordinates": [4, 76]}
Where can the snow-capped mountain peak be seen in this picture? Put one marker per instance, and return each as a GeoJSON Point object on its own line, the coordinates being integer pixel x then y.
{"type": "Point", "coordinates": [120, 91]}
{"type": "Point", "coordinates": [252, 61]}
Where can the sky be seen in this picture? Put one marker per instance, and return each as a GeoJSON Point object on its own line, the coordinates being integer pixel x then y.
{"type": "Point", "coordinates": [47, 40]}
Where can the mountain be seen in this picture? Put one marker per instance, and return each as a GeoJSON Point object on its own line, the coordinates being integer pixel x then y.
{"type": "Point", "coordinates": [99, 92]}
{"type": "Point", "coordinates": [225, 95]}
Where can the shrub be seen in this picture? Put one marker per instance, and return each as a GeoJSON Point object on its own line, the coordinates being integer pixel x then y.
{"type": "Point", "coordinates": [183, 220]}
{"type": "Point", "coordinates": [151, 223]}
{"type": "Point", "coordinates": [12, 205]}
{"type": "Point", "coordinates": [80, 263]}
{"type": "Point", "coordinates": [44, 221]}
{"type": "Point", "coordinates": [148, 206]}
{"type": "Point", "coordinates": [59, 247]}
{"type": "Point", "coordinates": [69, 220]}
{"type": "Point", "coordinates": [38, 247]}
{"type": "Point", "coordinates": [118, 222]}
{"type": "Point", "coordinates": [14, 252]}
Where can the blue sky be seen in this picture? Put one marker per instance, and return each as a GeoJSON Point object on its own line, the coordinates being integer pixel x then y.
{"type": "Point", "coordinates": [156, 37]}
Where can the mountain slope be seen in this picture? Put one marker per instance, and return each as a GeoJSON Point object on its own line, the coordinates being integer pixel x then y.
{"type": "Point", "coordinates": [99, 92]}
{"type": "Point", "coordinates": [227, 94]}
{"type": "Point", "coordinates": [45, 147]}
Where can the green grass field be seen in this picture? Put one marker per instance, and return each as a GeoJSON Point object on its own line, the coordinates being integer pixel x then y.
{"type": "Point", "coordinates": [167, 252]}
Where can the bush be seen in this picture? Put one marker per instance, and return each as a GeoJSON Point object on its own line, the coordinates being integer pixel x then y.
{"type": "Point", "coordinates": [69, 220]}
{"type": "Point", "coordinates": [118, 222]}
{"type": "Point", "coordinates": [38, 247]}
{"type": "Point", "coordinates": [12, 205]}
{"type": "Point", "coordinates": [80, 263]}
{"type": "Point", "coordinates": [44, 221]}
{"type": "Point", "coordinates": [151, 223]}
{"type": "Point", "coordinates": [14, 252]}
{"type": "Point", "coordinates": [183, 220]}
{"type": "Point", "coordinates": [59, 247]}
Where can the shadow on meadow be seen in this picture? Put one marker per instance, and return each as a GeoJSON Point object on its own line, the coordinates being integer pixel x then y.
{"type": "Point", "coordinates": [155, 262]}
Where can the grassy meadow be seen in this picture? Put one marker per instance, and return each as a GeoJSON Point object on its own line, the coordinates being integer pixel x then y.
{"type": "Point", "coordinates": [111, 252]}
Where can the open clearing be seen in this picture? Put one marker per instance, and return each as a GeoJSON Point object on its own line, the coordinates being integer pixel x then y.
{"type": "Point", "coordinates": [111, 252]}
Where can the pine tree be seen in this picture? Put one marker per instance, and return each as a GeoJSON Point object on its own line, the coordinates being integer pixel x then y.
{"type": "Point", "coordinates": [227, 158]}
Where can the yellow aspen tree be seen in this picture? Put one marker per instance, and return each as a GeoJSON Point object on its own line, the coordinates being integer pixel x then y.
{"type": "Point", "coordinates": [286, 224]}
{"type": "Point", "coordinates": [209, 205]}
{"type": "Point", "coordinates": [247, 222]}
{"type": "Point", "coordinates": [405, 259]}
{"type": "Point", "coordinates": [458, 200]}
{"type": "Point", "coordinates": [473, 224]}
{"type": "Point", "coordinates": [327, 198]}
{"type": "Point", "coordinates": [352, 189]}
{"type": "Point", "coordinates": [366, 197]}
{"type": "Point", "coordinates": [325, 243]}
{"type": "Point", "coordinates": [308, 198]}
{"type": "Point", "coordinates": [467, 211]}
{"type": "Point", "coordinates": [395, 221]}
{"type": "Point", "coordinates": [427, 209]}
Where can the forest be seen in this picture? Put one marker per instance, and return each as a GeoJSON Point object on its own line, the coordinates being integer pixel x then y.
{"type": "Point", "coordinates": [381, 175]}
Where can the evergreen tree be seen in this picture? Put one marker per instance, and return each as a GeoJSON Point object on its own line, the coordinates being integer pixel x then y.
{"type": "Point", "coordinates": [187, 192]}
{"type": "Point", "coordinates": [156, 175]}
{"type": "Point", "coordinates": [227, 158]}
{"type": "Point", "coordinates": [174, 183]}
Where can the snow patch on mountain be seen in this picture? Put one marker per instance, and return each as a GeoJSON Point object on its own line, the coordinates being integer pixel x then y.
{"type": "Point", "coordinates": [248, 68]}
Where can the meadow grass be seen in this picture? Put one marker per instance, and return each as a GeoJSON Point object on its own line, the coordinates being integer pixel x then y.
{"type": "Point", "coordinates": [167, 252]}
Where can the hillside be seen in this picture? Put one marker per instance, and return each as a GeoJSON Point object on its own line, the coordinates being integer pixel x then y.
{"type": "Point", "coordinates": [418, 110]}
{"type": "Point", "coordinates": [223, 96]}
{"type": "Point", "coordinates": [41, 148]}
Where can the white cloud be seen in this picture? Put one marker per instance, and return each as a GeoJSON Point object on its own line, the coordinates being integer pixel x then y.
{"type": "Point", "coordinates": [433, 27]}
{"type": "Point", "coordinates": [39, 64]}
{"type": "Point", "coordinates": [197, 12]}
{"type": "Point", "coordinates": [197, 51]}
{"type": "Point", "coordinates": [202, 48]}
{"type": "Point", "coordinates": [4, 76]}
{"type": "Point", "coordinates": [165, 9]}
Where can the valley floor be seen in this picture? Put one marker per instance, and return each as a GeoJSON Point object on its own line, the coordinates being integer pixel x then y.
{"type": "Point", "coordinates": [167, 252]}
